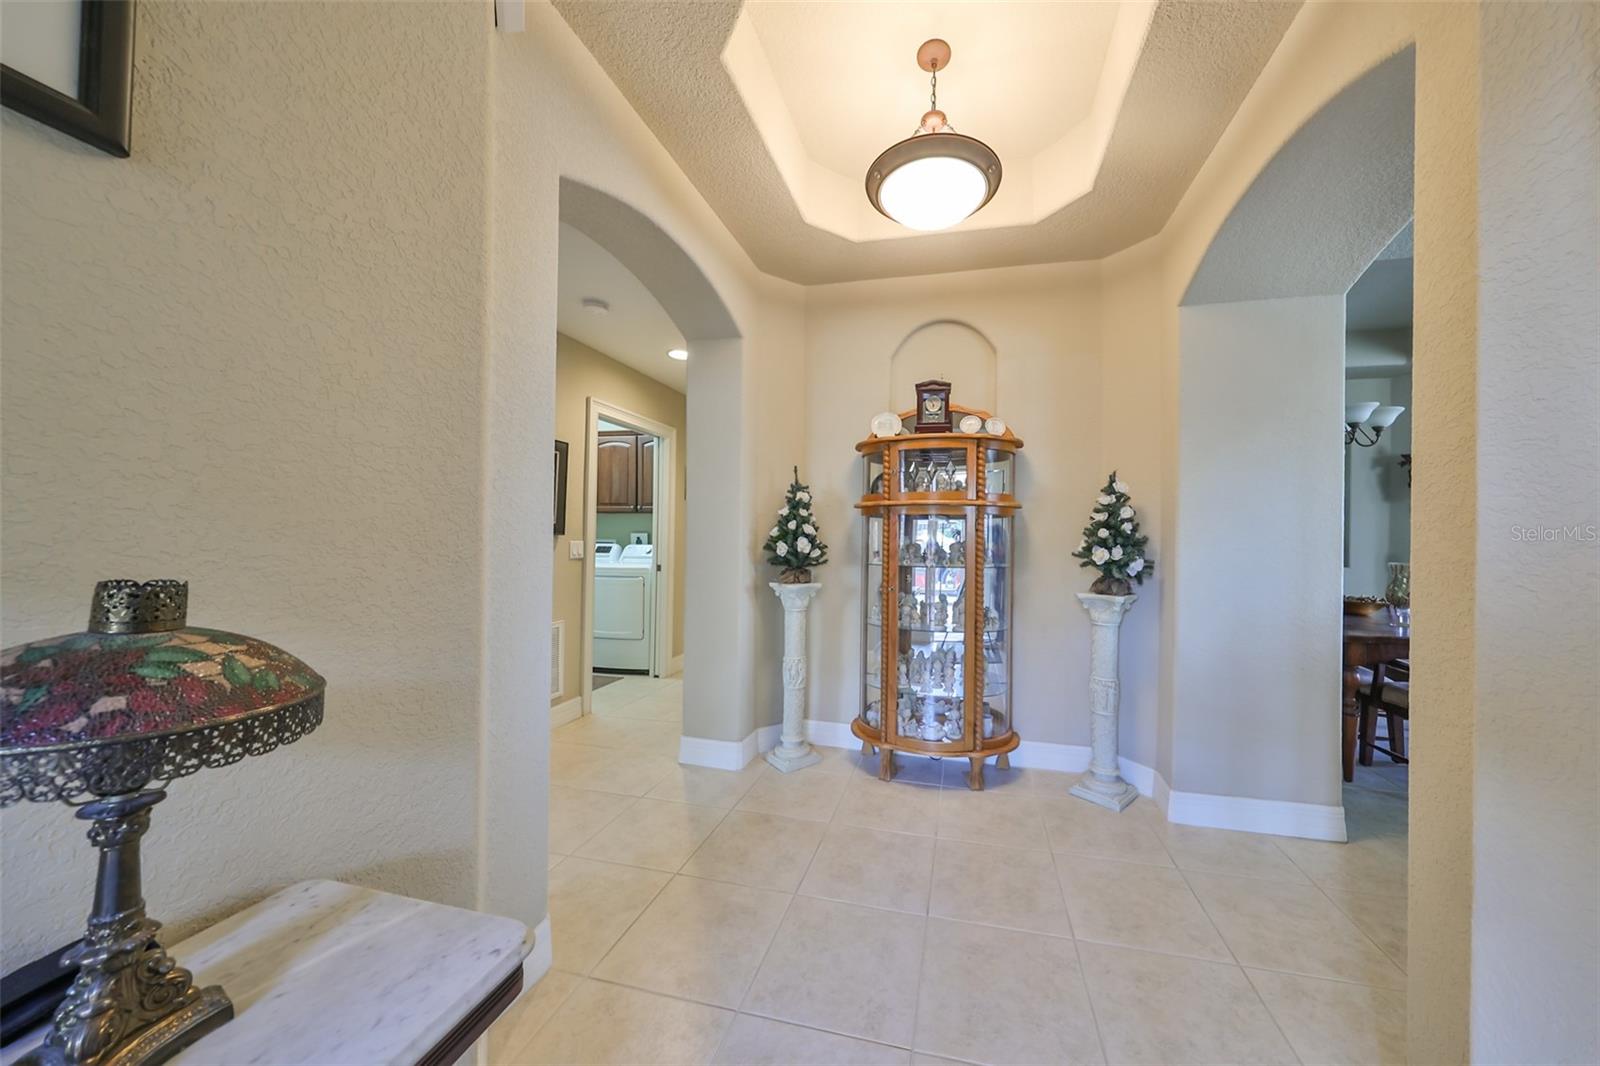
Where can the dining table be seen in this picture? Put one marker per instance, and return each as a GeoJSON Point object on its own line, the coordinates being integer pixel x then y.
{"type": "Point", "coordinates": [1369, 641]}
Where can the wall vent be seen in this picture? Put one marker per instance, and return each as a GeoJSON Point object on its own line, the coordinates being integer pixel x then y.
{"type": "Point", "coordinates": [558, 658]}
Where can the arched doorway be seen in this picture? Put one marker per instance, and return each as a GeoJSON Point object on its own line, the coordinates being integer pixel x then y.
{"type": "Point", "coordinates": [716, 641]}
{"type": "Point", "coordinates": [1257, 560]}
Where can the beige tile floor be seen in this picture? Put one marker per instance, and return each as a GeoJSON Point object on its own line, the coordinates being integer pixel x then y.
{"type": "Point", "coordinates": [702, 916]}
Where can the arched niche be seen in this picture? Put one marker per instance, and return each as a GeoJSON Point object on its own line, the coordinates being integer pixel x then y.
{"type": "Point", "coordinates": [949, 350]}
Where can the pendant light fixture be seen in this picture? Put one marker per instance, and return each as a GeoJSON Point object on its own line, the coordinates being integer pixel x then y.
{"type": "Point", "coordinates": [936, 177]}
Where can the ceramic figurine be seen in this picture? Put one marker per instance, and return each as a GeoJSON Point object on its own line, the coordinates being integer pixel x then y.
{"type": "Point", "coordinates": [940, 617]}
{"type": "Point", "coordinates": [911, 553]}
{"type": "Point", "coordinates": [952, 727]}
{"type": "Point", "coordinates": [988, 724]}
{"type": "Point", "coordinates": [904, 678]}
{"type": "Point", "coordinates": [941, 480]}
{"type": "Point", "coordinates": [924, 480]}
{"type": "Point", "coordinates": [875, 610]}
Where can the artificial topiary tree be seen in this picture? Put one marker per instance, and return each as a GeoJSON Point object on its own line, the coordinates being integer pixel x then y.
{"type": "Point", "coordinates": [1112, 543]}
{"type": "Point", "coordinates": [795, 542]}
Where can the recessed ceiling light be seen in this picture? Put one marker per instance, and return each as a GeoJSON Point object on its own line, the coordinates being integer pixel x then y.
{"type": "Point", "coordinates": [679, 354]}
{"type": "Point", "coordinates": [936, 177]}
{"type": "Point", "coordinates": [595, 306]}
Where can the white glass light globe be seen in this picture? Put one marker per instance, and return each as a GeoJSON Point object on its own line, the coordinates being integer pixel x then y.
{"type": "Point", "coordinates": [932, 193]}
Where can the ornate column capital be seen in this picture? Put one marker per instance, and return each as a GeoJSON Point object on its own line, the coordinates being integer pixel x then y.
{"type": "Point", "coordinates": [1105, 610]}
{"type": "Point", "coordinates": [796, 597]}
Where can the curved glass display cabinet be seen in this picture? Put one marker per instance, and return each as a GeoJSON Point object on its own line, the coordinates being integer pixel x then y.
{"type": "Point", "coordinates": [937, 584]}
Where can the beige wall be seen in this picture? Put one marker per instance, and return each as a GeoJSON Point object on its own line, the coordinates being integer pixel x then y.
{"type": "Point", "coordinates": [582, 373]}
{"type": "Point", "coordinates": [251, 356]}
{"type": "Point", "coordinates": [1046, 330]}
{"type": "Point", "coordinates": [366, 417]}
{"type": "Point", "coordinates": [1257, 588]}
{"type": "Point", "coordinates": [1536, 816]}
{"type": "Point", "coordinates": [547, 91]}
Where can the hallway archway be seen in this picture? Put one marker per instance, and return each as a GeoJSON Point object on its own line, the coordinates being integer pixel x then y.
{"type": "Point", "coordinates": [714, 595]}
{"type": "Point", "coordinates": [1256, 559]}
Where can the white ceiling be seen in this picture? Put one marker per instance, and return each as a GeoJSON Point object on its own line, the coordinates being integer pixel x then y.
{"type": "Point", "coordinates": [1039, 83]}
{"type": "Point", "coordinates": [1380, 298]}
{"type": "Point", "coordinates": [636, 331]}
{"type": "Point", "coordinates": [849, 75]}
{"type": "Point", "coordinates": [1102, 113]}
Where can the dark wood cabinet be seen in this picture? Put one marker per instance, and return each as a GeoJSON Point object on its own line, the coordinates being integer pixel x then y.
{"type": "Point", "coordinates": [616, 471]}
{"type": "Point", "coordinates": [625, 471]}
{"type": "Point", "coordinates": [647, 472]}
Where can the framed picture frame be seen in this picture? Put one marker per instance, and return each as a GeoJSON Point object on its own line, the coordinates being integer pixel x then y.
{"type": "Point", "coordinates": [79, 78]}
{"type": "Point", "coordinates": [561, 488]}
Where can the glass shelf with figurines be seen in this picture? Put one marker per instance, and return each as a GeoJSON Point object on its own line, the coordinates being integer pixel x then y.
{"type": "Point", "coordinates": [936, 576]}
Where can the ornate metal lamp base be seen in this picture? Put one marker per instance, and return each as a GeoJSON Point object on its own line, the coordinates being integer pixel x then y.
{"type": "Point", "coordinates": [131, 1004]}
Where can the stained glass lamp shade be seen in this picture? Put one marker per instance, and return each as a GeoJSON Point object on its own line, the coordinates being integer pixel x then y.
{"type": "Point", "coordinates": [139, 699]}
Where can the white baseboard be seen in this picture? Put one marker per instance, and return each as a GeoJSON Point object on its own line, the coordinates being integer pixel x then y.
{"type": "Point", "coordinates": [1285, 818]}
{"type": "Point", "coordinates": [538, 962]}
{"type": "Point", "coordinates": [566, 711]}
{"type": "Point", "coordinates": [1033, 754]}
{"type": "Point", "coordinates": [728, 754]}
{"type": "Point", "coordinates": [1278, 817]}
{"type": "Point", "coordinates": [534, 967]}
{"type": "Point", "coordinates": [675, 665]}
{"type": "Point", "coordinates": [1161, 793]}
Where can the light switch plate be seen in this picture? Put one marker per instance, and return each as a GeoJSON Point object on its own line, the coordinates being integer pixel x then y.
{"type": "Point", "coordinates": [574, 549]}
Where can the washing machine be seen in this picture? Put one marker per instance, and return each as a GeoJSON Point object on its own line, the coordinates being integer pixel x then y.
{"type": "Point", "coordinates": [624, 606]}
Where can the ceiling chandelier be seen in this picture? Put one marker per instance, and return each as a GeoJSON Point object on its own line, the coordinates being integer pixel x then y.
{"type": "Point", "coordinates": [936, 177]}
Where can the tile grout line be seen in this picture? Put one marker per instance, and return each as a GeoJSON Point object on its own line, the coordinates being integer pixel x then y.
{"type": "Point", "coordinates": [776, 932]}
{"type": "Point", "coordinates": [651, 902]}
{"type": "Point", "coordinates": [1077, 950]}
{"type": "Point", "coordinates": [528, 1043]}
{"type": "Point", "coordinates": [1323, 892]}
{"type": "Point", "coordinates": [1273, 1015]}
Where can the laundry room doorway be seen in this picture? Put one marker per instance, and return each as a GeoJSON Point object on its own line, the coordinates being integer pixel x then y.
{"type": "Point", "coordinates": [629, 495]}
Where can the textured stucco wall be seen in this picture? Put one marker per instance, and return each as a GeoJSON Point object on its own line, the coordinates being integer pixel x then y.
{"type": "Point", "coordinates": [583, 372]}
{"type": "Point", "coordinates": [1536, 858]}
{"type": "Point", "coordinates": [249, 356]}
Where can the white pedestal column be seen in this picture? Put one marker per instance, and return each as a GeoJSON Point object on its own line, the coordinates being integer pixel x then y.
{"type": "Point", "coordinates": [1103, 784]}
{"type": "Point", "coordinates": [793, 751]}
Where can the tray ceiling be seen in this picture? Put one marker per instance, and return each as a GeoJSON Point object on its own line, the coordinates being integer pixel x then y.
{"type": "Point", "coordinates": [1102, 114]}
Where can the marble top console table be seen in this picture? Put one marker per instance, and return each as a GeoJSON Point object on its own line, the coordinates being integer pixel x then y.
{"type": "Point", "coordinates": [324, 972]}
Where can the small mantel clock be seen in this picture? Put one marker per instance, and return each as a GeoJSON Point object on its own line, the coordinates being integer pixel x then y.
{"type": "Point", "coordinates": [933, 406]}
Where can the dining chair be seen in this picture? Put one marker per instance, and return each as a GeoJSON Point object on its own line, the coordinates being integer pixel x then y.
{"type": "Point", "coordinates": [1385, 690]}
